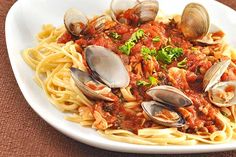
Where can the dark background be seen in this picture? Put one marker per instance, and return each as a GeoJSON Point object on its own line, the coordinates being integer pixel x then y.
{"type": "Point", "coordinates": [24, 133]}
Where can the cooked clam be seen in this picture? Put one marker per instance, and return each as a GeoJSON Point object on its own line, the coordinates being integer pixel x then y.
{"type": "Point", "coordinates": [163, 109]}
{"type": "Point", "coordinates": [162, 114]}
{"type": "Point", "coordinates": [195, 21]}
{"type": "Point", "coordinates": [75, 21]}
{"type": "Point", "coordinates": [195, 25]}
{"type": "Point", "coordinates": [146, 10]}
{"type": "Point", "coordinates": [223, 94]}
{"type": "Point", "coordinates": [99, 23]}
{"type": "Point", "coordinates": [107, 67]}
{"type": "Point", "coordinates": [170, 96]}
{"type": "Point", "coordinates": [82, 80]}
{"type": "Point", "coordinates": [214, 36]}
{"type": "Point", "coordinates": [107, 71]}
{"type": "Point", "coordinates": [118, 6]}
{"type": "Point", "coordinates": [214, 74]}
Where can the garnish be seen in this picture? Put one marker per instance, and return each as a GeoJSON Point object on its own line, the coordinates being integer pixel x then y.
{"type": "Point", "coordinates": [115, 35]}
{"type": "Point", "coordinates": [147, 53]}
{"type": "Point", "coordinates": [126, 48]}
{"type": "Point", "coordinates": [182, 64]}
{"type": "Point", "coordinates": [142, 83]}
{"type": "Point", "coordinates": [152, 81]}
{"type": "Point", "coordinates": [168, 54]}
{"type": "Point", "coordinates": [156, 39]}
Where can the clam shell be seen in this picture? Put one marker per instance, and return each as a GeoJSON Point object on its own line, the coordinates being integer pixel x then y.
{"type": "Point", "coordinates": [208, 40]}
{"type": "Point", "coordinates": [223, 94]}
{"type": "Point", "coordinates": [118, 6]}
{"type": "Point", "coordinates": [152, 107]}
{"type": "Point", "coordinates": [214, 74]}
{"type": "Point", "coordinates": [99, 22]}
{"type": "Point", "coordinates": [107, 67]}
{"type": "Point", "coordinates": [169, 95]}
{"type": "Point", "coordinates": [195, 21]}
{"type": "Point", "coordinates": [80, 78]}
{"type": "Point", "coordinates": [147, 10]}
{"type": "Point", "coordinates": [75, 21]}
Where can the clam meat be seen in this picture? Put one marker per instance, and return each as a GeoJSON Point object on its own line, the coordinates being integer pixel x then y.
{"type": "Point", "coordinates": [221, 94]}
{"type": "Point", "coordinates": [162, 114]}
{"type": "Point", "coordinates": [145, 10]}
{"type": "Point", "coordinates": [107, 71]}
{"type": "Point", "coordinates": [89, 86]}
{"type": "Point", "coordinates": [76, 22]}
{"type": "Point", "coordinates": [164, 109]}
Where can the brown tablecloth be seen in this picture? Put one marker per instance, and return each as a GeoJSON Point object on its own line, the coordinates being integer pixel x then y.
{"type": "Point", "coordinates": [24, 133]}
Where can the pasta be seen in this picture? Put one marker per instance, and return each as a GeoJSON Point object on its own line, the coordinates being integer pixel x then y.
{"type": "Point", "coordinates": [57, 52]}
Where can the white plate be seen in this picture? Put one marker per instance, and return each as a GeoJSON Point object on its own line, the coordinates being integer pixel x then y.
{"type": "Point", "coordinates": [24, 21]}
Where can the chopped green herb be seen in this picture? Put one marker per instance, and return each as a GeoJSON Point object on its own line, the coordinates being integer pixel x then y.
{"type": "Point", "coordinates": [115, 35]}
{"type": "Point", "coordinates": [147, 53]}
{"type": "Point", "coordinates": [126, 48]}
{"type": "Point", "coordinates": [153, 80]}
{"type": "Point", "coordinates": [182, 64]}
{"type": "Point", "coordinates": [137, 35]}
{"type": "Point", "coordinates": [168, 54]}
{"type": "Point", "coordinates": [156, 39]}
{"type": "Point", "coordinates": [142, 83]}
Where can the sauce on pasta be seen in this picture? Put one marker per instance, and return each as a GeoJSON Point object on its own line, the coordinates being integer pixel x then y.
{"type": "Point", "coordinates": [124, 119]}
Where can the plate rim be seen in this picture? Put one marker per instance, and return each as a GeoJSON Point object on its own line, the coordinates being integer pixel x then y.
{"type": "Point", "coordinates": [170, 149]}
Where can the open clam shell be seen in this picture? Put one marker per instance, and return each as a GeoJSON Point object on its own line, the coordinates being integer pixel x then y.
{"type": "Point", "coordinates": [214, 74]}
{"type": "Point", "coordinates": [81, 78]}
{"type": "Point", "coordinates": [107, 67]}
{"type": "Point", "coordinates": [118, 6]}
{"type": "Point", "coordinates": [162, 114]}
{"type": "Point", "coordinates": [195, 21]}
{"type": "Point", "coordinates": [147, 10]}
{"type": "Point", "coordinates": [210, 38]}
{"type": "Point", "coordinates": [99, 23]}
{"type": "Point", "coordinates": [223, 94]}
{"type": "Point", "coordinates": [75, 21]}
{"type": "Point", "coordinates": [170, 96]}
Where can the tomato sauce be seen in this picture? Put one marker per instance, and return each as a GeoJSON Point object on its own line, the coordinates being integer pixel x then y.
{"type": "Point", "coordinates": [199, 117]}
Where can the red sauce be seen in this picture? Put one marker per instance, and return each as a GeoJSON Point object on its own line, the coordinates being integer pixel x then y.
{"type": "Point", "coordinates": [199, 116]}
{"type": "Point", "coordinates": [66, 37]}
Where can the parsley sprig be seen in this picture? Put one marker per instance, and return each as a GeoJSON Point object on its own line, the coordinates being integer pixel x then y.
{"type": "Point", "coordinates": [156, 39]}
{"type": "Point", "coordinates": [168, 54]}
{"type": "Point", "coordinates": [115, 35]}
{"type": "Point", "coordinates": [147, 53]}
{"type": "Point", "coordinates": [152, 81]}
{"type": "Point", "coordinates": [126, 48]}
{"type": "Point", "coordinates": [182, 64]}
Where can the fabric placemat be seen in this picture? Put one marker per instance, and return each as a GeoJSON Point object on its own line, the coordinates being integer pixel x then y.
{"type": "Point", "coordinates": [24, 133]}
